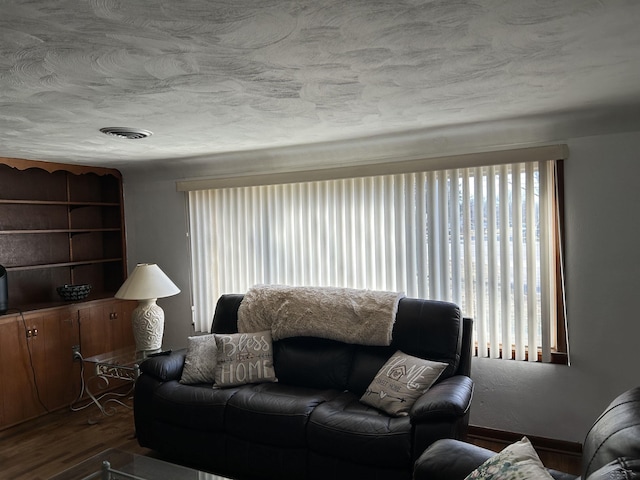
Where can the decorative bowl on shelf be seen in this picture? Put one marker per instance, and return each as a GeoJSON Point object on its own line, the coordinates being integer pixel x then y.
{"type": "Point", "coordinates": [74, 292]}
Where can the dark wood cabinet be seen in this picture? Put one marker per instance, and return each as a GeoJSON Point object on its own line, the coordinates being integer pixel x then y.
{"type": "Point", "coordinates": [59, 224]}
{"type": "Point", "coordinates": [37, 370]}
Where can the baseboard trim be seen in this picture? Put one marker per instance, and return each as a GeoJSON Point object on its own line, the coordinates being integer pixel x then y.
{"type": "Point", "coordinates": [572, 449]}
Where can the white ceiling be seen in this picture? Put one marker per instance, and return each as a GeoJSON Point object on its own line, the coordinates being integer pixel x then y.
{"type": "Point", "coordinates": [210, 77]}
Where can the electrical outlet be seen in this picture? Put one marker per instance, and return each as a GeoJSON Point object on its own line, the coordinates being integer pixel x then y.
{"type": "Point", "coordinates": [75, 351]}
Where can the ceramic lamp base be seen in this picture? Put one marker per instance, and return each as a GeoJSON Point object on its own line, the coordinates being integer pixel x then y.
{"type": "Point", "coordinates": [148, 325]}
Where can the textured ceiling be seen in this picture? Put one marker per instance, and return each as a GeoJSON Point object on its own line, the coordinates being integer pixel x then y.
{"type": "Point", "coordinates": [209, 77]}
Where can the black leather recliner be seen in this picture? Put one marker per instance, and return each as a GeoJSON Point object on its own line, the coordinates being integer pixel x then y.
{"type": "Point", "coordinates": [310, 424]}
{"type": "Point", "coordinates": [611, 449]}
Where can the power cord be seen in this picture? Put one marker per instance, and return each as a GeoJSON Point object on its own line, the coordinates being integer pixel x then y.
{"type": "Point", "coordinates": [78, 355]}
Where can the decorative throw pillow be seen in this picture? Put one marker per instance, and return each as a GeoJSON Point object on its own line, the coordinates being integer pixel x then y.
{"type": "Point", "coordinates": [399, 383]}
{"type": "Point", "coordinates": [200, 361]}
{"type": "Point", "coordinates": [518, 461]}
{"type": "Point", "coordinates": [244, 358]}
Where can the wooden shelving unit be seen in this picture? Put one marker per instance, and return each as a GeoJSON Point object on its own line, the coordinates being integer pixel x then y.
{"type": "Point", "coordinates": [60, 224]}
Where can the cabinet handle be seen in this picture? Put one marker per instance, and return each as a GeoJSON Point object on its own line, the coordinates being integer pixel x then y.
{"type": "Point", "coordinates": [32, 332]}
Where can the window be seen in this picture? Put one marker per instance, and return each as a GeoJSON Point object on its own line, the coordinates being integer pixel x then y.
{"type": "Point", "coordinates": [484, 237]}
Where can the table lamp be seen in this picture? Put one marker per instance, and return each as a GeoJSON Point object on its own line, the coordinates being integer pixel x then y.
{"type": "Point", "coordinates": [146, 284]}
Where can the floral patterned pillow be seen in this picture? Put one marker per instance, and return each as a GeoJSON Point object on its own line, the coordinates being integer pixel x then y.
{"type": "Point", "coordinates": [518, 461]}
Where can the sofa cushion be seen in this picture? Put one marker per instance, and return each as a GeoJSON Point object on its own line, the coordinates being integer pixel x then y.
{"type": "Point", "coordinates": [313, 362]}
{"type": "Point", "coordinates": [399, 383]}
{"type": "Point", "coordinates": [273, 413]}
{"type": "Point", "coordinates": [347, 429]}
{"type": "Point", "coordinates": [244, 358]}
{"type": "Point", "coordinates": [429, 329]}
{"type": "Point", "coordinates": [200, 360]}
{"type": "Point", "coordinates": [193, 406]}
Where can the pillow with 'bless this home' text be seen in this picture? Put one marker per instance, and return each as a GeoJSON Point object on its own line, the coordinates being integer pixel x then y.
{"type": "Point", "coordinates": [244, 358]}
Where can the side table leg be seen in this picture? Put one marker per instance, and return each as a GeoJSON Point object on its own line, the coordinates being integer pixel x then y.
{"type": "Point", "coordinates": [97, 400]}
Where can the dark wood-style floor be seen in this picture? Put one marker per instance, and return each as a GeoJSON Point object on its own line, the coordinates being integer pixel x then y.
{"type": "Point", "coordinates": [46, 446]}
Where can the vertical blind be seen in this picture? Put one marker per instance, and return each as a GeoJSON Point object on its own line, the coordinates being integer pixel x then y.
{"type": "Point", "coordinates": [481, 237]}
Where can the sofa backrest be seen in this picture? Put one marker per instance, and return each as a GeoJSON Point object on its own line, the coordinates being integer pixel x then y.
{"type": "Point", "coordinates": [427, 329]}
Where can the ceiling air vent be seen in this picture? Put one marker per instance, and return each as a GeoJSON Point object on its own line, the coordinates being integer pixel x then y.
{"type": "Point", "coordinates": [124, 132]}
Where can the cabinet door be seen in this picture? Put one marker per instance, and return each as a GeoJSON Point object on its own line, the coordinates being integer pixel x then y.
{"type": "Point", "coordinates": [95, 334]}
{"type": "Point", "coordinates": [58, 373]}
{"type": "Point", "coordinates": [18, 398]}
{"type": "Point", "coordinates": [118, 313]}
{"type": "Point", "coordinates": [105, 327]}
{"type": "Point", "coordinates": [54, 332]}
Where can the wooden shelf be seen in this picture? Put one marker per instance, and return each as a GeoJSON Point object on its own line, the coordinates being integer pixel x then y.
{"type": "Point", "coordinates": [62, 264]}
{"type": "Point", "coordinates": [57, 202]}
{"type": "Point", "coordinates": [60, 224]}
{"type": "Point", "coordinates": [59, 230]}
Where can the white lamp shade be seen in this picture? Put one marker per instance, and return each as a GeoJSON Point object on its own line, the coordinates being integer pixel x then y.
{"type": "Point", "coordinates": [147, 282]}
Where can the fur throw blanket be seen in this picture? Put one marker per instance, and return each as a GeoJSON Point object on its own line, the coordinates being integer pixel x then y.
{"type": "Point", "coordinates": [364, 317]}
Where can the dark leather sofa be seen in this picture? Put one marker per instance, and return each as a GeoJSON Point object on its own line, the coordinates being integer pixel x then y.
{"type": "Point", "coordinates": [310, 424]}
{"type": "Point", "coordinates": [611, 450]}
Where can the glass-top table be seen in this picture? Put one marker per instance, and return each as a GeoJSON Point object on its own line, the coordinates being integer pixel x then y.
{"type": "Point", "coordinates": [122, 364]}
{"type": "Point", "coordinates": [118, 465]}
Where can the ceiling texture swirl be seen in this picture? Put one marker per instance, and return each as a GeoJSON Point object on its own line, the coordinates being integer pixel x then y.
{"type": "Point", "coordinates": [211, 78]}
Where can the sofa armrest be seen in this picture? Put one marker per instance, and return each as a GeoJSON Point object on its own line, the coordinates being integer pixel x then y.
{"type": "Point", "coordinates": [449, 398]}
{"type": "Point", "coordinates": [165, 367]}
{"type": "Point", "coordinates": [449, 460]}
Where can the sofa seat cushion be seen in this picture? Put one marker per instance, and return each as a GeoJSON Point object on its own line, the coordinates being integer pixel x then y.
{"type": "Point", "coordinates": [347, 429]}
{"type": "Point", "coordinates": [192, 406]}
{"type": "Point", "coordinates": [273, 413]}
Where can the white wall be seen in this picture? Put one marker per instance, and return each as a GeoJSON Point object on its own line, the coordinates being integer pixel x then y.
{"type": "Point", "coordinates": [156, 226]}
{"type": "Point", "coordinates": [602, 272]}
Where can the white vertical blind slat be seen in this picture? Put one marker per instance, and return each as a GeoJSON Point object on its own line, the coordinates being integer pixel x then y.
{"type": "Point", "coordinates": [400, 232]}
{"type": "Point", "coordinates": [468, 246]}
{"type": "Point", "coordinates": [493, 269]}
{"type": "Point", "coordinates": [506, 237]}
{"type": "Point", "coordinates": [441, 216]}
{"type": "Point", "coordinates": [518, 268]}
{"type": "Point", "coordinates": [532, 271]}
{"type": "Point", "coordinates": [433, 245]}
{"type": "Point", "coordinates": [547, 291]}
{"type": "Point", "coordinates": [456, 253]}
{"type": "Point", "coordinates": [478, 234]}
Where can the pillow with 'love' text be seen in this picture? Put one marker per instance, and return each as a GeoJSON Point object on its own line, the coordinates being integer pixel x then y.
{"type": "Point", "coordinates": [399, 383]}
